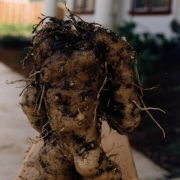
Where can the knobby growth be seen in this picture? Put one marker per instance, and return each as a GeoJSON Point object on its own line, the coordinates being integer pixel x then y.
{"type": "Point", "coordinates": [82, 74]}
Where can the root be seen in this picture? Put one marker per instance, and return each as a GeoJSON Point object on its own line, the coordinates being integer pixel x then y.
{"type": "Point", "coordinates": [41, 97]}
{"type": "Point", "coordinates": [138, 78]}
{"type": "Point", "coordinates": [19, 80]}
{"type": "Point", "coordinates": [24, 89]}
{"type": "Point", "coordinates": [144, 108]}
{"type": "Point", "coordinates": [148, 108]}
{"type": "Point", "coordinates": [104, 82]}
{"type": "Point", "coordinates": [152, 88]}
{"type": "Point", "coordinates": [35, 27]}
{"type": "Point", "coordinates": [34, 74]}
{"type": "Point", "coordinates": [145, 89]}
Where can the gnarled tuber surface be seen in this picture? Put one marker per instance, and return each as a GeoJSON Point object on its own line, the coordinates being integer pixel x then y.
{"type": "Point", "coordinates": [82, 75]}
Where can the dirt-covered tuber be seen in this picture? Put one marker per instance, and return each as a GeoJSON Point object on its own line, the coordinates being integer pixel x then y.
{"type": "Point", "coordinates": [83, 74]}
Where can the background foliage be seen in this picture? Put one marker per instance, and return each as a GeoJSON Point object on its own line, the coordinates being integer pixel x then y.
{"type": "Point", "coordinates": [159, 65]}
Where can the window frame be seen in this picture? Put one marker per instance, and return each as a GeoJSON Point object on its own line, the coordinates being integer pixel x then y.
{"type": "Point", "coordinates": [83, 12]}
{"type": "Point", "coordinates": [149, 10]}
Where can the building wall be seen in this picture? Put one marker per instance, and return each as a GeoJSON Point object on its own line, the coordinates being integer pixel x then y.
{"type": "Point", "coordinates": [101, 15]}
{"type": "Point", "coordinates": [150, 23]}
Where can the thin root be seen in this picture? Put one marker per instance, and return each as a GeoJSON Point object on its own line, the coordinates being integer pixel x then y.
{"type": "Point", "coordinates": [41, 98]}
{"type": "Point", "coordinates": [148, 108]}
{"type": "Point", "coordinates": [24, 89]}
{"type": "Point", "coordinates": [151, 116]}
{"type": "Point", "coordinates": [34, 74]}
{"type": "Point", "coordinates": [104, 82]}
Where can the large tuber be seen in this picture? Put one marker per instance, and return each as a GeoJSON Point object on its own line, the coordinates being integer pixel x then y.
{"type": "Point", "coordinates": [83, 74]}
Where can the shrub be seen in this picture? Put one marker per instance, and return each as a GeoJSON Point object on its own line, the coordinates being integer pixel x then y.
{"type": "Point", "coordinates": [158, 55]}
{"type": "Point", "coordinates": [14, 42]}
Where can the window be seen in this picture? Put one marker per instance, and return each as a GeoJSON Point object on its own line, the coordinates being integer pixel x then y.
{"type": "Point", "coordinates": [84, 6]}
{"type": "Point", "coordinates": [151, 7]}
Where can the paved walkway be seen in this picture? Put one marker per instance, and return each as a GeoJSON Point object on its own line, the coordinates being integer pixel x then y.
{"type": "Point", "coordinates": [15, 130]}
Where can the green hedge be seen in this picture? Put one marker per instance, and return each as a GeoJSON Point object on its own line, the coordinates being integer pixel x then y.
{"type": "Point", "coordinates": [14, 42]}
{"type": "Point", "coordinates": [158, 56]}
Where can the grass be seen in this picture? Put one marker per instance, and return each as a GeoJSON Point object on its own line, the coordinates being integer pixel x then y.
{"type": "Point", "coordinates": [15, 30]}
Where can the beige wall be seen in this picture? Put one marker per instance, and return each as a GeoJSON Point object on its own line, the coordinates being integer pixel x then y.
{"type": "Point", "coordinates": [102, 12]}
{"type": "Point", "coordinates": [151, 23]}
